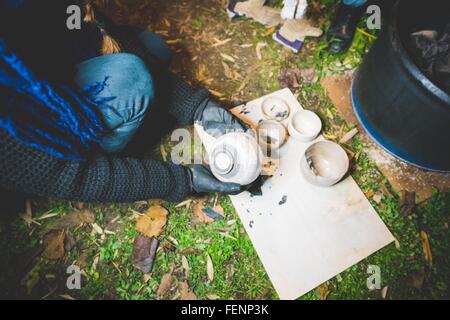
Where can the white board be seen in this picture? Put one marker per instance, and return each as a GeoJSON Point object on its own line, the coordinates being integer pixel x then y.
{"type": "Point", "coordinates": [319, 232]}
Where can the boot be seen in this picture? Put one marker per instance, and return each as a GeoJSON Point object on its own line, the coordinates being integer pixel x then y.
{"type": "Point", "coordinates": [342, 29]}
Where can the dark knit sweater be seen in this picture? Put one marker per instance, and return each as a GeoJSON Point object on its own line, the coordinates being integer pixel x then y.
{"type": "Point", "coordinates": [99, 178]}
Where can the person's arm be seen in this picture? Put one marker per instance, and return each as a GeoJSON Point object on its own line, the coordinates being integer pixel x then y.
{"type": "Point", "coordinates": [101, 179]}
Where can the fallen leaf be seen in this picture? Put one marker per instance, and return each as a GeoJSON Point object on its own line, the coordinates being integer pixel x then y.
{"type": "Point", "coordinates": [69, 242]}
{"type": "Point", "coordinates": [227, 71]}
{"type": "Point", "coordinates": [259, 46]}
{"type": "Point", "coordinates": [185, 203]}
{"type": "Point", "coordinates": [221, 42]}
{"type": "Point", "coordinates": [308, 76]}
{"type": "Point", "coordinates": [163, 152]}
{"type": "Point", "coordinates": [227, 57]}
{"type": "Point", "coordinates": [152, 222]}
{"type": "Point", "coordinates": [349, 135]}
{"type": "Point", "coordinates": [67, 297]}
{"type": "Point", "coordinates": [199, 215]}
{"type": "Point", "coordinates": [144, 252]}
{"type": "Point", "coordinates": [384, 292]}
{"type": "Point", "coordinates": [54, 245]}
{"type": "Point", "coordinates": [416, 279]}
{"type": "Point", "coordinates": [290, 78]}
{"type": "Point", "coordinates": [47, 216]}
{"type": "Point", "coordinates": [377, 198]}
{"type": "Point", "coordinates": [164, 285]}
{"type": "Point", "coordinates": [210, 268]}
{"type": "Point", "coordinates": [73, 219]}
{"type": "Point", "coordinates": [323, 292]}
{"type": "Point", "coordinates": [97, 228]}
{"type": "Point", "coordinates": [407, 202]}
{"type": "Point", "coordinates": [201, 73]}
{"type": "Point", "coordinates": [185, 264]}
{"type": "Point", "coordinates": [216, 93]}
{"type": "Point", "coordinates": [212, 296]}
{"type": "Point", "coordinates": [397, 244]}
{"type": "Point", "coordinates": [27, 216]}
{"type": "Point", "coordinates": [426, 248]}
{"type": "Point", "coordinates": [185, 292]}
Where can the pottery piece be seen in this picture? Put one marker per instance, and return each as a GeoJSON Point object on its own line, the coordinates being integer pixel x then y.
{"type": "Point", "coordinates": [324, 164]}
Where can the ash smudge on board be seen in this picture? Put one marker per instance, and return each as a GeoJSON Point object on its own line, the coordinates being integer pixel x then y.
{"type": "Point", "coordinates": [281, 114]}
{"type": "Point", "coordinates": [283, 200]}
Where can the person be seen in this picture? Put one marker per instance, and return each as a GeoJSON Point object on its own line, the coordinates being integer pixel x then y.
{"type": "Point", "coordinates": [340, 34]}
{"type": "Point", "coordinates": [73, 100]}
{"type": "Point", "coordinates": [342, 29]}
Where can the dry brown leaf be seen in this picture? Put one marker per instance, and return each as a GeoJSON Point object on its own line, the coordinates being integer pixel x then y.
{"type": "Point", "coordinates": [199, 215]}
{"type": "Point", "coordinates": [426, 248]}
{"type": "Point", "coordinates": [185, 203]}
{"type": "Point", "coordinates": [216, 93]}
{"type": "Point", "coordinates": [164, 286]}
{"type": "Point", "coordinates": [377, 197]}
{"type": "Point", "coordinates": [349, 135]}
{"type": "Point", "coordinates": [163, 152]}
{"type": "Point", "coordinates": [416, 279]}
{"type": "Point", "coordinates": [259, 46]}
{"type": "Point", "coordinates": [73, 219]}
{"type": "Point", "coordinates": [397, 244]}
{"type": "Point", "coordinates": [384, 292]}
{"type": "Point", "coordinates": [27, 216]}
{"type": "Point", "coordinates": [185, 292]}
{"type": "Point", "coordinates": [152, 222]}
{"type": "Point", "coordinates": [97, 228]}
{"type": "Point", "coordinates": [144, 253]}
{"type": "Point", "coordinates": [54, 245]}
{"type": "Point", "coordinates": [185, 264]}
{"type": "Point", "coordinates": [210, 268]}
{"type": "Point", "coordinates": [323, 292]}
{"type": "Point", "coordinates": [227, 71]}
{"type": "Point", "coordinates": [227, 57]}
{"type": "Point", "coordinates": [220, 42]}
{"type": "Point", "coordinates": [201, 73]}
{"type": "Point", "coordinates": [407, 202]}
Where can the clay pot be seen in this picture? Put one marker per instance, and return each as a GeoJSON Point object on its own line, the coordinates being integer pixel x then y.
{"type": "Point", "coordinates": [324, 164]}
{"type": "Point", "coordinates": [236, 157]}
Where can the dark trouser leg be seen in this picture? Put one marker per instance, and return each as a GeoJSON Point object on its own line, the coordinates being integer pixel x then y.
{"type": "Point", "coordinates": [342, 29]}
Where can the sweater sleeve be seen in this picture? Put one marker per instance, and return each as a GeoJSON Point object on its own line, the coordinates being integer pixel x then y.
{"type": "Point", "coordinates": [101, 179]}
{"type": "Point", "coordinates": [184, 99]}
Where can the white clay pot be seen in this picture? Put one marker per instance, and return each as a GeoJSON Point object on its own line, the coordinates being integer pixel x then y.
{"type": "Point", "coordinates": [324, 164]}
{"type": "Point", "coordinates": [236, 157]}
{"type": "Point", "coordinates": [304, 126]}
{"type": "Point", "coordinates": [271, 134]}
{"type": "Point", "coordinates": [274, 108]}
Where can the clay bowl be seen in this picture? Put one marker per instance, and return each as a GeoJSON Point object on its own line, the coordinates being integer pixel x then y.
{"type": "Point", "coordinates": [304, 126]}
{"type": "Point", "coordinates": [274, 108]}
{"type": "Point", "coordinates": [324, 164]}
{"type": "Point", "coordinates": [271, 134]}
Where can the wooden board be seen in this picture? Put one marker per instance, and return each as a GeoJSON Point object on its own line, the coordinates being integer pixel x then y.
{"type": "Point", "coordinates": [318, 232]}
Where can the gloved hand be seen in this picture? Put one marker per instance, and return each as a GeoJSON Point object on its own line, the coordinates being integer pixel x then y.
{"type": "Point", "coordinates": [217, 120]}
{"type": "Point", "coordinates": [203, 181]}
